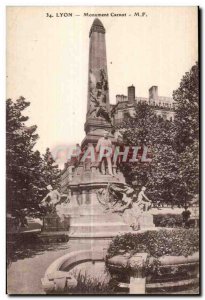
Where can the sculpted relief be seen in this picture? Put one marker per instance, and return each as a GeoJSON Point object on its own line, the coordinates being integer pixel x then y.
{"type": "Point", "coordinates": [120, 197]}
{"type": "Point", "coordinates": [98, 93]}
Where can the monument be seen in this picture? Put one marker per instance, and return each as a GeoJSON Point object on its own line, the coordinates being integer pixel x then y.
{"type": "Point", "coordinates": [98, 119]}
{"type": "Point", "coordinates": [89, 218]}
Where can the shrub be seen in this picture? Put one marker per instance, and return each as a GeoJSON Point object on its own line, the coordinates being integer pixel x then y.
{"type": "Point", "coordinates": [174, 242]}
{"type": "Point", "coordinates": [168, 220]}
{"type": "Point", "coordinates": [88, 285]}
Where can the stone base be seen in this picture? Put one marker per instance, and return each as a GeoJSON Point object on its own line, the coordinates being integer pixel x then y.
{"type": "Point", "coordinates": [145, 221]}
{"type": "Point", "coordinates": [53, 222]}
{"type": "Point", "coordinates": [53, 237]}
{"type": "Point", "coordinates": [92, 221]}
{"type": "Point", "coordinates": [98, 230]}
{"type": "Point", "coordinates": [89, 216]}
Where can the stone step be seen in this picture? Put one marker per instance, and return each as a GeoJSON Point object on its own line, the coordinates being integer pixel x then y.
{"type": "Point", "coordinates": [99, 224]}
{"type": "Point", "coordinates": [99, 228]}
{"type": "Point", "coordinates": [96, 235]}
{"type": "Point", "coordinates": [97, 218]}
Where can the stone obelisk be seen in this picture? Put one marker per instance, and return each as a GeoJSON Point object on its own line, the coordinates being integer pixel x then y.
{"type": "Point", "coordinates": [98, 119]}
{"type": "Point", "coordinates": [89, 218]}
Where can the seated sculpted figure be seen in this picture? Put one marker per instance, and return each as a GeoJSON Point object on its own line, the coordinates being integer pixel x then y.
{"type": "Point", "coordinates": [132, 216]}
{"type": "Point", "coordinates": [143, 201]}
{"type": "Point", "coordinates": [53, 198]}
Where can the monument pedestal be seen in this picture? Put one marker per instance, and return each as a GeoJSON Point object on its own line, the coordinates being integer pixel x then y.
{"type": "Point", "coordinates": [145, 221]}
{"type": "Point", "coordinates": [89, 217]}
{"type": "Point", "coordinates": [93, 225]}
{"type": "Point", "coordinates": [52, 222]}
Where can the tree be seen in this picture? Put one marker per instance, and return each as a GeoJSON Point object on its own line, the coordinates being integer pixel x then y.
{"type": "Point", "coordinates": [22, 162]}
{"type": "Point", "coordinates": [50, 170]}
{"type": "Point", "coordinates": [187, 131]}
{"type": "Point", "coordinates": [173, 174]}
{"type": "Point", "coordinates": [187, 110]}
{"type": "Point", "coordinates": [27, 173]}
{"type": "Point", "coordinates": [161, 175]}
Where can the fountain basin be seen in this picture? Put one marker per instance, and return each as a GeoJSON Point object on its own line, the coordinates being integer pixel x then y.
{"type": "Point", "coordinates": [57, 276]}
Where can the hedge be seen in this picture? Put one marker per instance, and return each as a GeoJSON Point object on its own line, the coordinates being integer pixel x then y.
{"type": "Point", "coordinates": [168, 220]}
{"type": "Point", "coordinates": [173, 242]}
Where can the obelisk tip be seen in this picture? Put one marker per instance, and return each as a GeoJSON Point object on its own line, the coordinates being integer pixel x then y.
{"type": "Point", "coordinates": [97, 26]}
{"type": "Point", "coordinates": [97, 22]}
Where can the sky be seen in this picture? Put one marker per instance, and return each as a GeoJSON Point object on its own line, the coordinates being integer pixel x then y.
{"type": "Point", "coordinates": [47, 60]}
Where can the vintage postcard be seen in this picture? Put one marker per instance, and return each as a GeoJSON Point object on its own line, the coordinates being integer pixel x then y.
{"type": "Point", "coordinates": [102, 150]}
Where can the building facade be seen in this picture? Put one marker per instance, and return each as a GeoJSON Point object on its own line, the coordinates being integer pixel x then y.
{"type": "Point", "coordinates": [125, 105]}
{"type": "Point", "coordinates": [66, 177]}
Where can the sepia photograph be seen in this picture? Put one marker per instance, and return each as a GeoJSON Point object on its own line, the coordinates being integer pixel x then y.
{"type": "Point", "coordinates": [102, 150]}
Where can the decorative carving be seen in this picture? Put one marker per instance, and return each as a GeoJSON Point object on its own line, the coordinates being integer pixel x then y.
{"type": "Point", "coordinates": [116, 197]}
{"type": "Point", "coordinates": [97, 29]}
{"type": "Point", "coordinates": [58, 281]}
{"type": "Point", "coordinates": [98, 96]}
{"type": "Point", "coordinates": [119, 198]}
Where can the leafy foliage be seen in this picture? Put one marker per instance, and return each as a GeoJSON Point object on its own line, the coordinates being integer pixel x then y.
{"type": "Point", "coordinates": [187, 113]}
{"type": "Point", "coordinates": [173, 175]}
{"type": "Point", "coordinates": [168, 220]}
{"type": "Point", "coordinates": [187, 131]}
{"type": "Point", "coordinates": [27, 172]}
{"type": "Point", "coordinates": [50, 170]}
{"type": "Point", "coordinates": [89, 285]}
{"type": "Point", "coordinates": [160, 176]}
{"type": "Point", "coordinates": [174, 242]}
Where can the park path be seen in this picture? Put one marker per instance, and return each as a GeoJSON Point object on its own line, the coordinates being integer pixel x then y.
{"type": "Point", "coordinates": [24, 275]}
